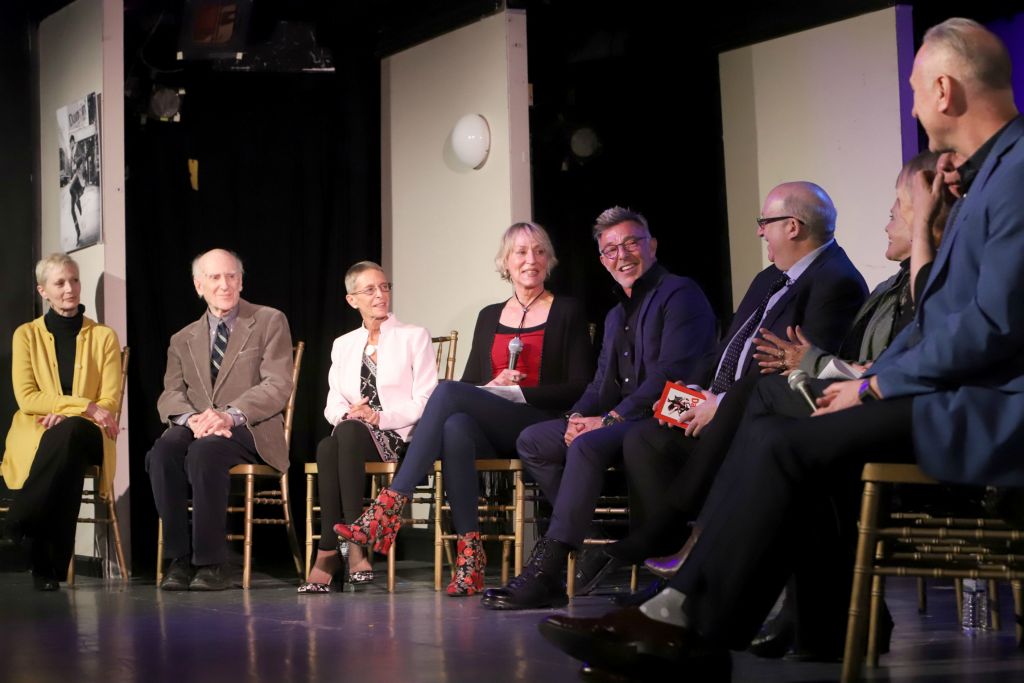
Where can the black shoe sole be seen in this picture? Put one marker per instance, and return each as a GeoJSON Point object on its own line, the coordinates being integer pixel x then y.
{"type": "Point", "coordinates": [634, 662]}
{"type": "Point", "coordinates": [509, 606]}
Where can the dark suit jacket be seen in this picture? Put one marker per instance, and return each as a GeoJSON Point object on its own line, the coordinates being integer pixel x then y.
{"type": "Point", "coordinates": [566, 360]}
{"type": "Point", "coordinates": [963, 358]}
{"type": "Point", "coordinates": [255, 376]}
{"type": "Point", "coordinates": [675, 328]}
{"type": "Point", "coordinates": [823, 301]}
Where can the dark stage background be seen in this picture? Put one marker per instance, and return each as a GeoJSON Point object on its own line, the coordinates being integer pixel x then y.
{"type": "Point", "coordinates": [288, 178]}
{"type": "Point", "coordinates": [289, 166]}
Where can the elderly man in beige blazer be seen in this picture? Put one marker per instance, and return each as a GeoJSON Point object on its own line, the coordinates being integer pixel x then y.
{"type": "Point", "coordinates": [227, 383]}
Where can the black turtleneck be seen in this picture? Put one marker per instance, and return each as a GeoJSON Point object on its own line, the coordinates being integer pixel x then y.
{"type": "Point", "coordinates": [65, 332]}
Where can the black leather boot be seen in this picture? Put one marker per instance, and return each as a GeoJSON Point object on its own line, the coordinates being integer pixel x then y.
{"type": "Point", "coordinates": [539, 586]}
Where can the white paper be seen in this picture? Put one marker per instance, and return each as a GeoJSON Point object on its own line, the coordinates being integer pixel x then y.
{"type": "Point", "coordinates": [838, 369]}
{"type": "Point", "coordinates": [509, 393]}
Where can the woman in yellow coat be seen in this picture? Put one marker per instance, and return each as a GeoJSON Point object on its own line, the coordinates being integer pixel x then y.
{"type": "Point", "coordinates": [67, 381]}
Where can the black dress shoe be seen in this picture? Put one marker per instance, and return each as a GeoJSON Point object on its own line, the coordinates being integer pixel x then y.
{"type": "Point", "coordinates": [178, 576]}
{"type": "Point", "coordinates": [539, 586]}
{"type": "Point", "coordinates": [628, 643]}
{"type": "Point", "coordinates": [592, 674]}
{"type": "Point", "coordinates": [44, 583]}
{"type": "Point", "coordinates": [593, 565]}
{"type": "Point", "coordinates": [640, 597]}
{"type": "Point", "coordinates": [775, 639]}
{"type": "Point", "coordinates": [212, 577]}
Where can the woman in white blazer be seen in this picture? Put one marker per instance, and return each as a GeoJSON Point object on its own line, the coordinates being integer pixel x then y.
{"type": "Point", "coordinates": [382, 374]}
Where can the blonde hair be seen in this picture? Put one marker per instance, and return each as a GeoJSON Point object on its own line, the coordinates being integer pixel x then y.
{"type": "Point", "coordinates": [54, 260]}
{"type": "Point", "coordinates": [508, 243]}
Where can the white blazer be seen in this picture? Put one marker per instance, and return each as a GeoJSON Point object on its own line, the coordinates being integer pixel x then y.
{"type": "Point", "coordinates": [406, 374]}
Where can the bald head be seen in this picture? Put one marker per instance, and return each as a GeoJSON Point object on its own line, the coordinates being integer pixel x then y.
{"type": "Point", "coordinates": [217, 255]}
{"type": "Point", "coordinates": [812, 205]}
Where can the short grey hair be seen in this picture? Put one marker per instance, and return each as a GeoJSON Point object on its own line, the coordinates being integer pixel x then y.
{"type": "Point", "coordinates": [609, 218]}
{"type": "Point", "coordinates": [353, 273]}
{"type": "Point", "coordinates": [508, 239]}
{"type": "Point", "coordinates": [54, 260]}
{"type": "Point", "coordinates": [197, 270]}
{"type": "Point", "coordinates": [984, 56]}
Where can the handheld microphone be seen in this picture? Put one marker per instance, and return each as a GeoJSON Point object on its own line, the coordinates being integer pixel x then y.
{"type": "Point", "coordinates": [515, 347]}
{"type": "Point", "coordinates": [798, 383]}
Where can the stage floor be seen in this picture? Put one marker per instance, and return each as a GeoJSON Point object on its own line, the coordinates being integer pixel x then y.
{"type": "Point", "coordinates": [101, 631]}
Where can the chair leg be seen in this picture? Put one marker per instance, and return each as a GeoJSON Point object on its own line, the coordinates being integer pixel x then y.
{"type": "Point", "coordinates": [293, 541]}
{"type": "Point", "coordinates": [506, 551]}
{"type": "Point", "coordinates": [993, 604]}
{"type": "Point", "coordinates": [958, 587]}
{"type": "Point", "coordinates": [122, 566]}
{"type": "Point", "coordinates": [570, 577]}
{"type": "Point", "coordinates": [877, 596]}
{"type": "Point", "coordinates": [922, 596]}
{"type": "Point", "coordinates": [438, 530]}
{"type": "Point", "coordinates": [309, 523]}
{"type": "Point", "coordinates": [1018, 609]}
{"type": "Point", "coordinates": [391, 555]}
{"type": "Point", "coordinates": [634, 578]}
{"type": "Point", "coordinates": [518, 521]}
{"type": "Point", "coordinates": [854, 650]}
{"type": "Point", "coordinates": [71, 572]}
{"type": "Point", "coordinates": [247, 535]}
{"type": "Point", "coordinates": [159, 550]}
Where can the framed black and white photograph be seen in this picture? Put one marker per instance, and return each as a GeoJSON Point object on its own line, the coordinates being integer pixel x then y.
{"type": "Point", "coordinates": [81, 206]}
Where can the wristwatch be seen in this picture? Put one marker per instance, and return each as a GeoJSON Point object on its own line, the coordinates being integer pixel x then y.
{"type": "Point", "coordinates": [608, 419]}
{"type": "Point", "coordinates": [865, 393]}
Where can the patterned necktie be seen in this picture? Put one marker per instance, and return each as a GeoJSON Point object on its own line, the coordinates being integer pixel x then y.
{"type": "Point", "coordinates": [727, 372]}
{"type": "Point", "coordinates": [220, 345]}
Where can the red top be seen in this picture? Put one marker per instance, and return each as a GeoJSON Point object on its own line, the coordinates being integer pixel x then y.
{"type": "Point", "coordinates": [529, 357]}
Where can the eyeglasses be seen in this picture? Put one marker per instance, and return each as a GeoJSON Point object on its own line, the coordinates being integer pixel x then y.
{"type": "Point", "coordinates": [630, 245]}
{"type": "Point", "coordinates": [385, 288]}
{"type": "Point", "coordinates": [762, 221]}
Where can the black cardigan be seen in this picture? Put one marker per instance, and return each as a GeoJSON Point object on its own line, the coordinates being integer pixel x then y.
{"type": "Point", "coordinates": [566, 361]}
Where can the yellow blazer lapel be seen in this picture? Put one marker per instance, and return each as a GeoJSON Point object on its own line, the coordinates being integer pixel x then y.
{"type": "Point", "coordinates": [50, 372]}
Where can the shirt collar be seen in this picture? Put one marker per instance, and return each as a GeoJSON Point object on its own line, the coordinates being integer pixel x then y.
{"type": "Point", "coordinates": [228, 319]}
{"type": "Point", "coordinates": [970, 168]}
{"type": "Point", "coordinates": [798, 268]}
{"type": "Point", "coordinates": [643, 284]}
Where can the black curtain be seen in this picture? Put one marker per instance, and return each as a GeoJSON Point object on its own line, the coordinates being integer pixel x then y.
{"type": "Point", "coordinates": [288, 177]}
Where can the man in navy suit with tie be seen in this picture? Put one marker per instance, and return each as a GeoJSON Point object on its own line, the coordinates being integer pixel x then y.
{"type": "Point", "coordinates": [948, 392]}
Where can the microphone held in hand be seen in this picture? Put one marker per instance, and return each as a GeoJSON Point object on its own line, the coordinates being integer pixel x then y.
{"type": "Point", "coordinates": [515, 347]}
{"type": "Point", "coordinates": [798, 383]}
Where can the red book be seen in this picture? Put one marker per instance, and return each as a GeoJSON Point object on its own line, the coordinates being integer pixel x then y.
{"type": "Point", "coordinates": [675, 400]}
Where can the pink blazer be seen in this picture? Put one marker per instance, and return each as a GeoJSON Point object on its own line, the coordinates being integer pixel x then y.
{"type": "Point", "coordinates": [406, 374]}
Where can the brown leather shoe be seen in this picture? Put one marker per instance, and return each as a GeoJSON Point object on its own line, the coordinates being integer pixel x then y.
{"type": "Point", "coordinates": [627, 642]}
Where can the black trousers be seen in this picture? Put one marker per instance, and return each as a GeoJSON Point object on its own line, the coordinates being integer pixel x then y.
{"type": "Point", "coordinates": [46, 507]}
{"type": "Point", "coordinates": [772, 512]}
{"type": "Point", "coordinates": [341, 478]}
{"type": "Point", "coordinates": [461, 423]}
{"type": "Point", "coordinates": [670, 474]}
{"type": "Point", "coordinates": [178, 463]}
